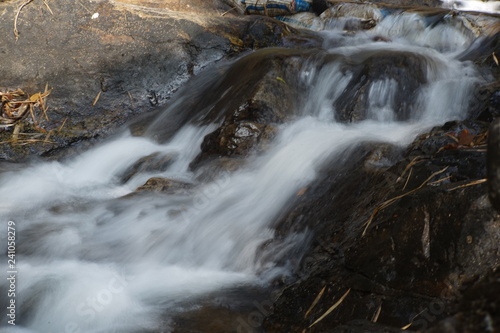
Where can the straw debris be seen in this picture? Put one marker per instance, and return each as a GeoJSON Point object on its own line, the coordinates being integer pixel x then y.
{"type": "Point", "coordinates": [333, 307]}
{"type": "Point", "coordinates": [19, 110]}
{"type": "Point", "coordinates": [389, 202]}
{"type": "Point", "coordinates": [316, 300]}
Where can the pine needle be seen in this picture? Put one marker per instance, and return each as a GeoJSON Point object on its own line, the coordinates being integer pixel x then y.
{"type": "Point", "coordinates": [414, 161]}
{"type": "Point", "coordinates": [47, 5]}
{"type": "Point", "coordinates": [25, 141]}
{"type": "Point", "coordinates": [407, 179]}
{"type": "Point", "coordinates": [439, 180]}
{"type": "Point", "coordinates": [62, 125]}
{"type": "Point", "coordinates": [316, 300]}
{"type": "Point", "coordinates": [334, 306]}
{"type": "Point", "coordinates": [475, 182]}
{"type": "Point", "coordinates": [389, 202]}
{"type": "Point", "coordinates": [227, 11]}
{"type": "Point", "coordinates": [404, 328]}
{"type": "Point", "coordinates": [96, 98]}
{"type": "Point", "coordinates": [377, 314]}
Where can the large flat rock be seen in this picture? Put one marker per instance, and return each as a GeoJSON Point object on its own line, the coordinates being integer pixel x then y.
{"type": "Point", "coordinates": [107, 61]}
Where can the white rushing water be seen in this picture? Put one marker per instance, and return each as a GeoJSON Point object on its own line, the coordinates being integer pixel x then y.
{"type": "Point", "coordinates": [89, 261]}
{"type": "Point", "coordinates": [483, 6]}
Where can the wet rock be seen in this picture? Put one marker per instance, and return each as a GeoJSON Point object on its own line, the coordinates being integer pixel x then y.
{"type": "Point", "coordinates": [239, 309]}
{"type": "Point", "coordinates": [407, 73]}
{"type": "Point", "coordinates": [236, 139]}
{"type": "Point", "coordinates": [260, 87]}
{"type": "Point", "coordinates": [412, 260]}
{"type": "Point", "coordinates": [479, 310]}
{"type": "Point", "coordinates": [364, 326]}
{"type": "Point", "coordinates": [494, 164]}
{"type": "Point", "coordinates": [450, 137]}
{"type": "Point", "coordinates": [247, 106]}
{"type": "Point", "coordinates": [165, 185]}
{"type": "Point", "coordinates": [155, 162]}
{"type": "Point", "coordinates": [213, 168]}
{"type": "Point", "coordinates": [319, 6]}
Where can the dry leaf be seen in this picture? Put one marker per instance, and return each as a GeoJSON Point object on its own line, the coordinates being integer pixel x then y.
{"type": "Point", "coordinates": [465, 138]}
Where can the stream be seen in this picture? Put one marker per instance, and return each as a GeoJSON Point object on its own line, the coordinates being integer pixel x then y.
{"type": "Point", "coordinates": [91, 257]}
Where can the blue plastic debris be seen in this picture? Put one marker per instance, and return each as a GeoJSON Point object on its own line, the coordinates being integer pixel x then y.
{"type": "Point", "coordinates": [276, 7]}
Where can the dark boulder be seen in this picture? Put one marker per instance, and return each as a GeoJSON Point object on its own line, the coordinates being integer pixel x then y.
{"type": "Point", "coordinates": [155, 162]}
{"type": "Point", "coordinates": [407, 72]}
{"type": "Point", "coordinates": [170, 186]}
{"type": "Point", "coordinates": [258, 92]}
{"type": "Point", "coordinates": [236, 139]}
{"type": "Point", "coordinates": [407, 239]}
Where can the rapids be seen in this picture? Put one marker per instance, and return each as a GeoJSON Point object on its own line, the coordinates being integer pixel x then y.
{"type": "Point", "coordinates": [91, 259]}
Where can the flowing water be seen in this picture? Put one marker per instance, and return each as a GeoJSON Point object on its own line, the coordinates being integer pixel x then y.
{"type": "Point", "coordinates": [91, 260]}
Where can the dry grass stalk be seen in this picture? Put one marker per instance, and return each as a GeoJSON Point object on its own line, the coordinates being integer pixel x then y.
{"type": "Point", "coordinates": [414, 161]}
{"type": "Point", "coordinates": [227, 11]}
{"type": "Point", "coordinates": [62, 125]}
{"type": "Point", "coordinates": [23, 142]}
{"type": "Point", "coordinates": [439, 181]}
{"type": "Point", "coordinates": [404, 328]}
{"type": "Point", "coordinates": [389, 202]}
{"type": "Point", "coordinates": [96, 99]}
{"type": "Point", "coordinates": [47, 5]}
{"type": "Point", "coordinates": [377, 314]}
{"type": "Point", "coordinates": [407, 179]}
{"type": "Point", "coordinates": [475, 182]}
{"type": "Point", "coordinates": [334, 306]}
{"type": "Point", "coordinates": [316, 300]}
{"type": "Point", "coordinates": [16, 32]}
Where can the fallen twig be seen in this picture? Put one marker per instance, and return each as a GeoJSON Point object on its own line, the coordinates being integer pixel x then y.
{"type": "Point", "coordinates": [16, 32]}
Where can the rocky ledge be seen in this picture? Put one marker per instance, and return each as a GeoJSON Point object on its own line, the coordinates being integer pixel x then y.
{"type": "Point", "coordinates": [106, 62]}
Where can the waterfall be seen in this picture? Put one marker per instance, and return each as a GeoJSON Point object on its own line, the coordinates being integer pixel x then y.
{"type": "Point", "coordinates": [92, 258]}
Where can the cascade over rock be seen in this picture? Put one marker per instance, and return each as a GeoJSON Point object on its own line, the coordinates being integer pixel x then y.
{"type": "Point", "coordinates": [206, 171]}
